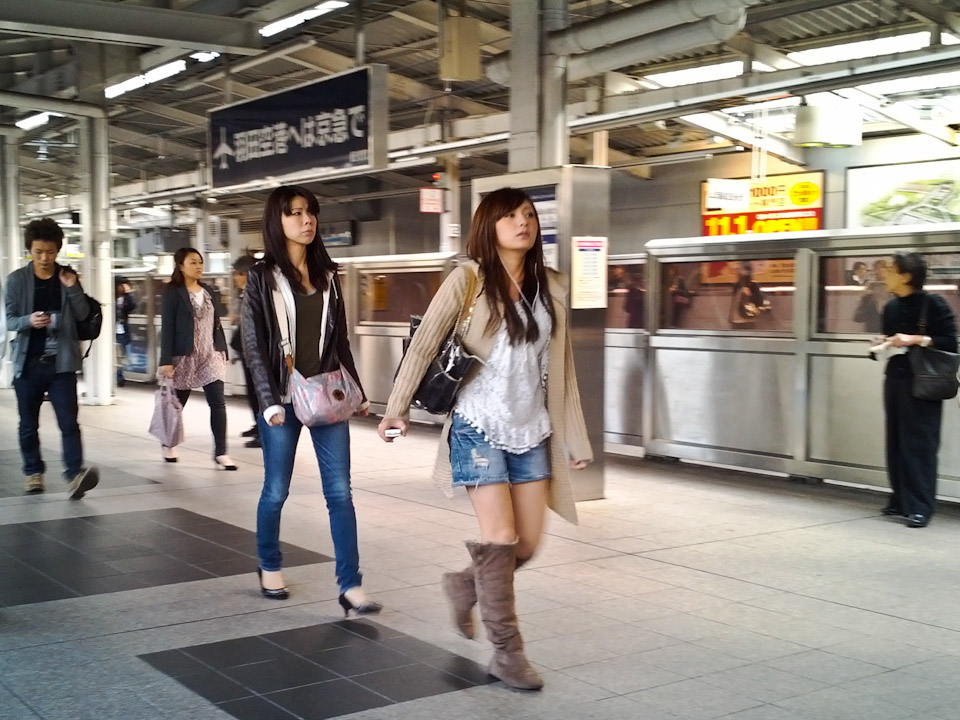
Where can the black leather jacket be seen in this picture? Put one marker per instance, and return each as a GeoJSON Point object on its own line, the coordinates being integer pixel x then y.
{"type": "Point", "coordinates": [176, 327]}
{"type": "Point", "coordinates": [261, 337]}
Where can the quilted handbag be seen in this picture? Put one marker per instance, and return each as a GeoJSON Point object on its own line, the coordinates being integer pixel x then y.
{"type": "Point", "coordinates": [934, 371]}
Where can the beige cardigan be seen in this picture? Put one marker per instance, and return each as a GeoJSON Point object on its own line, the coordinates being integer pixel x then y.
{"type": "Point", "coordinates": [569, 439]}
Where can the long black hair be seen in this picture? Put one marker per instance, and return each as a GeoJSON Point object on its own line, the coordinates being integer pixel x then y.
{"type": "Point", "coordinates": [179, 257]}
{"type": "Point", "coordinates": [319, 262]}
{"type": "Point", "coordinates": [482, 247]}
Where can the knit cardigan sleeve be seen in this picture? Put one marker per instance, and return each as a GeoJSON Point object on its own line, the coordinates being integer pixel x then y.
{"type": "Point", "coordinates": [433, 330]}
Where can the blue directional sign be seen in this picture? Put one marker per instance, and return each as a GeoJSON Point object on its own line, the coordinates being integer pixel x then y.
{"type": "Point", "coordinates": [331, 124]}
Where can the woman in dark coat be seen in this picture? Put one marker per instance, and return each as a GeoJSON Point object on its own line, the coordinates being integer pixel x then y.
{"type": "Point", "coordinates": [913, 426]}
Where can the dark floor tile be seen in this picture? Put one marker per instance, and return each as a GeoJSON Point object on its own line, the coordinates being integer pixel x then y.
{"type": "Point", "coordinates": [315, 638]}
{"type": "Point", "coordinates": [124, 552]}
{"type": "Point", "coordinates": [214, 687]}
{"type": "Point", "coordinates": [232, 653]}
{"type": "Point", "coordinates": [417, 650]}
{"type": "Point", "coordinates": [148, 562]}
{"type": "Point", "coordinates": [29, 595]}
{"type": "Point", "coordinates": [205, 552]}
{"type": "Point", "coordinates": [360, 659]}
{"type": "Point", "coordinates": [185, 573]}
{"type": "Point", "coordinates": [298, 556]}
{"type": "Point", "coordinates": [411, 682]}
{"type": "Point", "coordinates": [440, 659]}
{"type": "Point", "coordinates": [255, 708]}
{"type": "Point", "coordinates": [327, 700]}
{"type": "Point", "coordinates": [81, 571]}
{"type": "Point", "coordinates": [369, 629]}
{"type": "Point", "coordinates": [174, 663]}
{"type": "Point", "coordinates": [110, 584]}
{"type": "Point", "coordinates": [238, 566]}
{"type": "Point", "coordinates": [281, 674]}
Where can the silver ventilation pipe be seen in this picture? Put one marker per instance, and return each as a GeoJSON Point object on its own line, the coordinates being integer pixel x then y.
{"type": "Point", "coordinates": [625, 25]}
{"type": "Point", "coordinates": [680, 39]}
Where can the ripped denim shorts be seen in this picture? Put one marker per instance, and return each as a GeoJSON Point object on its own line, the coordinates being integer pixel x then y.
{"type": "Point", "coordinates": [474, 462]}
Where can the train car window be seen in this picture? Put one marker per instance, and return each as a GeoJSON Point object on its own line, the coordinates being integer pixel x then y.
{"type": "Point", "coordinates": [733, 295]}
{"type": "Point", "coordinates": [627, 296]}
{"type": "Point", "coordinates": [392, 297]}
{"type": "Point", "coordinates": [853, 292]}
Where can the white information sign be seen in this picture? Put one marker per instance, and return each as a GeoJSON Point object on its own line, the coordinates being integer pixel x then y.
{"type": "Point", "coordinates": [728, 195]}
{"type": "Point", "coordinates": [588, 273]}
{"type": "Point", "coordinates": [431, 200]}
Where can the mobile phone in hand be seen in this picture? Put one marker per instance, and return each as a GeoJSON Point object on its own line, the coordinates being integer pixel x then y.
{"type": "Point", "coordinates": [392, 433]}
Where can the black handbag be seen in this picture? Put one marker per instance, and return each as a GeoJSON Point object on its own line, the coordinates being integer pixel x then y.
{"type": "Point", "coordinates": [934, 371]}
{"type": "Point", "coordinates": [437, 393]}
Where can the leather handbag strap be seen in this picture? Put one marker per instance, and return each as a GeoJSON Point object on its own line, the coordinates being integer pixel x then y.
{"type": "Point", "coordinates": [923, 314]}
{"type": "Point", "coordinates": [469, 302]}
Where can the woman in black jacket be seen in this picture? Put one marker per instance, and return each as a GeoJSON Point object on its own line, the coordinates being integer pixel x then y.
{"type": "Point", "coordinates": [913, 426]}
{"type": "Point", "coordinates": [297, 271]}
{"type": "Point", "coordinates": [193, 348]}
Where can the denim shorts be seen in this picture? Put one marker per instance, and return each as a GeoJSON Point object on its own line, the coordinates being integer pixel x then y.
{"type": "Point", "coordinates": [474, 462]}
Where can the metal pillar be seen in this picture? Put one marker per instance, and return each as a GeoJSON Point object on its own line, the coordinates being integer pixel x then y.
{"type": "Point", "coordinates": [450, 227]}
{"type": "Point", "coordinates": [554, 136]}
{"type": "Point", "coordinates": [100, 367]}
{"type": "Point", "coordinates": [525, 86]}
{"type": "Point", "coordinates": [11, 251]}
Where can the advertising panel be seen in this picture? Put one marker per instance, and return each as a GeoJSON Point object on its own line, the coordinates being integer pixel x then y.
{"type": "Point", "coordinates": [780, 203]}
{"type": "Point", "coordinates": [923, 193]}
{"type": "Point", "coordinates": [332, 124]}
{"type": "Point", "coordinates": [588, 273]}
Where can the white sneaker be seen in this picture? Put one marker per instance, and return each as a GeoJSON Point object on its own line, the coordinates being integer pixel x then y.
{"type": "Point", "coordinates": [34, 483]}
{"type": "Point", "coordinates": [83, 481]}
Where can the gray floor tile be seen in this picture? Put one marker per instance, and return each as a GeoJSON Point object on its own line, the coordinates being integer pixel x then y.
{"type": "Point", "coordinates": [762, 683]}
{"type": "Point", "coordinates": [695, 700]}
{"type": "Point", "coordinates": [837, 704]}
{"type": "Point", "coordinates": [623, 675]}
{"type": "Point", "coordinates": [824, 666]}
{"type": "Point", "coordinates": [689, 660]}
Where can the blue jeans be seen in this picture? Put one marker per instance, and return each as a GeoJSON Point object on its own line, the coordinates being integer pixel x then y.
{"type": "Point", "coordinates": [39, 378]}
{"type": "Point", "coordinates": [331, 443]}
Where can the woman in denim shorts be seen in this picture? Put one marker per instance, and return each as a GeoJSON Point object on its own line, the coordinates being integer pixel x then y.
{"type": "Point", "coordinates": [517, 426]}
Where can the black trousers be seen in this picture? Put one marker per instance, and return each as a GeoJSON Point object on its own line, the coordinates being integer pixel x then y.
{"type": "Point", "coordinates": [251, 393]}
{"type": "Point", "coordinates": [218, 414]}
{"type": "Point", "coordinates": [913, 441]}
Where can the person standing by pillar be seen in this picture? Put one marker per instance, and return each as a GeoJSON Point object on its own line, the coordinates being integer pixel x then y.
{"type": "Point", "coordinates": [44, 301]}
{"type": "Point", "coordinates": [913, 425]}
{"type": "Point", "coordinates": [240, 268]}
{"type": "Point", "coordinates": [125, 305]}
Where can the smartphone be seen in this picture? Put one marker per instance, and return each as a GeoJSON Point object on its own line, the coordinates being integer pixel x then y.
{"type": "Point", "coordinates": [392, 432]}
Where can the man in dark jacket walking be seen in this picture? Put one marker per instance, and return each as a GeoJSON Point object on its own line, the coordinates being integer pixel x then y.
{"type": "Point", "coordinates": [44, 302]}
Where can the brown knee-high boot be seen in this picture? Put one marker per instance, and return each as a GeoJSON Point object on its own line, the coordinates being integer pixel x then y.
{"type": "Point", "coordinates": [494, 566]}
{"type": "Point", "coordinates": [461, 590]}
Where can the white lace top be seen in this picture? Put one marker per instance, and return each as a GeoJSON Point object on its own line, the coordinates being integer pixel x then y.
{"type": "Point", "coordinates": [506, 401]}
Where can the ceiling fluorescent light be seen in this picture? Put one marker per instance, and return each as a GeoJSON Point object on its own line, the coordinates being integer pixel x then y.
{"type": "Point", "coordinates": [291, 22]}
{"type": "Point", "coordinates": [863, 49]}
{"type": "Point", "coordinates": [156, 75]}
{"type": "Point", "coordinates": [205, 56]}
{"type": "Point", "coordinates": [35, 121]}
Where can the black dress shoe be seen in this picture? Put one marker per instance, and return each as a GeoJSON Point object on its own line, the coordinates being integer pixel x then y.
{"type": "Point", "coordinates": [253, 442]}
{"type": "Point", "coordinates": [891, 511]}
{"type": "Point", "coordinates": [278, 594]}
{"type": "Point", "coordinates": [252, 432]}
{"type": "Point", "coordinates": [917, 520]}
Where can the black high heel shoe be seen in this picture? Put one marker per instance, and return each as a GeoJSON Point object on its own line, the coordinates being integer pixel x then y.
{"type": "Point", "coordinates": [366, 607]}
{"type": "Point", "coordinates": [280, 594]}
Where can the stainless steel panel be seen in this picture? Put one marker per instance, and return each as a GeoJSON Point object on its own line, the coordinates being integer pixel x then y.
{"type": "Point", "coordinates": [845, 423]}
{"type": "Point", "coordinates": [732, 400]}
{"type": "Point", "coordinates": [377, 359]}
{"type": "Point", "coordinates": [623, 392]}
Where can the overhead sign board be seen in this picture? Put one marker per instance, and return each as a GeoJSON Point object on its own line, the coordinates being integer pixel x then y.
{"type": "Point", "coordinates": [921, 193]}
{"type": "Point", "coordinates": [727, 195]}
{"type": "Point", "coordinates": [337, 123]}
{"type": "Point", "coordinates": [778, 203]}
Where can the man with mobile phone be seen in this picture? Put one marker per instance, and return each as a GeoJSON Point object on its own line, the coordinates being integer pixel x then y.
{"type": "Point", "coordinates": [44, 302]}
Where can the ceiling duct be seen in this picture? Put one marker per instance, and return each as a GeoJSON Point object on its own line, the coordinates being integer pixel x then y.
{"type": "Point", "coordinates": [627, 27]}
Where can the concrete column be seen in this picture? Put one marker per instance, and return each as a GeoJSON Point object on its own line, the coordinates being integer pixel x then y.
{"type": "Point", "coordinates": [554, 136]}
{"type": "Point", "coordinates": [11, 250]}
{"type": "Point", "coordinates": [451, 212]}
{"type": "Point", "coordinates": [600, 148]}
{"type": "Point", "coordinates": [524, 146]}
{"type": "Point", "coordinates": [96, 240]}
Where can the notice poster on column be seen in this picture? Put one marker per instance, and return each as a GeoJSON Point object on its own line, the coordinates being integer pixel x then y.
{"type": "Point", "coordinates": [588, 273]}
{"type": "Point", "coordinates": [922, 193]}
{"type": "Point", "coordinates": [545, 201]}
{"type": "Point", "coordinates": [136, 360]}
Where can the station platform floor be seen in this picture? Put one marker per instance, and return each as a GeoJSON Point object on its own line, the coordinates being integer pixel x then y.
{"type": "Point", "coordinates": [688, 592]}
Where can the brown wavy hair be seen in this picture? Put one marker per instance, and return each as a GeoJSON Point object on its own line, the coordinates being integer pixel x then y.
{"type": "Point", "coordinates": [482, 247]}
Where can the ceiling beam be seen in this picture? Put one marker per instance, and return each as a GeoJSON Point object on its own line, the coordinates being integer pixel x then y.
{"type": "Point", "coordinates": [126, 24]}
{"type": "Point", "coordinates": [741, 133]}
{"type": "Point", "coordinates": [171, 113]}
{"type": "Point", "coordinates": [937, 14]}
{"type": "Point", "coordinates": [766, 13]}
{"type": "Point", "coordinates": [899, 113]}
{"type": "Point", "coordinates": [154, 143]}
{"type": "Point", "coordinates": [235, 87]}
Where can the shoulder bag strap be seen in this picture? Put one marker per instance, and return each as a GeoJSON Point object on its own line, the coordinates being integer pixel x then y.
{"type": "Point", "coordinates": [325, 312]}
{"type": "Point", "coordinates": [469, 302]}
{"type": "Point", "coordinates": [280, 307]}
{"type": "Point", "coordinates": [923, 314]}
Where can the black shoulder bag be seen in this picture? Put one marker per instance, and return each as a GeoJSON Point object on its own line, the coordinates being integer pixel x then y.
{"type": "Point", "coordinates": [437, 393]}
{"type": "Point", "coordinates": [934, 371]}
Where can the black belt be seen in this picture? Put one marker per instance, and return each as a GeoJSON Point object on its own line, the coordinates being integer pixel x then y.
{"type": "Point", "coordinates": [44, 359]}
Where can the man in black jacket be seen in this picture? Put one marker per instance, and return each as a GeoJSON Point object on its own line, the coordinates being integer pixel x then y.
{"type": "Point", "coordinates": [240, 268]}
